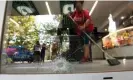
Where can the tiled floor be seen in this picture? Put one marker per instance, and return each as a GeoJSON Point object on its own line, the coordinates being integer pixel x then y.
{"type": "Point", "coordinates": [96, 66]}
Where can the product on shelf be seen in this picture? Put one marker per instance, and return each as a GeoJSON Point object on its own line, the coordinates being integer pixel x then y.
{"type": "Point", "coordinates": [123, 37]}
{"type": "Point", "coordinates": [107, 43]}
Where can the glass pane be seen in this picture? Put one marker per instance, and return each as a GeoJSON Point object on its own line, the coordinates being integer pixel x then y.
{"type": "Point", "coordinates": [40, 37]}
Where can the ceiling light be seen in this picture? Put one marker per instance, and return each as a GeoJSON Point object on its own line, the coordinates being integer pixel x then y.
{"type": "Point", "coordinates": [122, 17]}
{"type": "Point", "coordinates": [92, 9]}
{"type": "Point", "coordinates": [14, 22]}
{"type": "Point", "coordinates": [48, 8]}
{"type": "Point", "coordinates": [106, 29]}
{"type": "Point", "coordinates": [131, 16]}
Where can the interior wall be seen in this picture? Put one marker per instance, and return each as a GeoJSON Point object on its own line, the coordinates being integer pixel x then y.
{"type": "Point", "coordinates": [14, 12]}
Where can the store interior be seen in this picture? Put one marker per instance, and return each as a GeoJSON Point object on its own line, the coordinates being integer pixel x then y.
{"type": "Point", "coordinates": [45, 21]}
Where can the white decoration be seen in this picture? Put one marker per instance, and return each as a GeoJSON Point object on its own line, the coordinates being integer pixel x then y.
{"type": "Point", "coordinates": [112, 24]}
{"type": "Point", "coordinates": [25, 10]}
{"type": "Point", "coordinates": [66, 8]}
{"type": "Point", "coordinates": [112, 31]}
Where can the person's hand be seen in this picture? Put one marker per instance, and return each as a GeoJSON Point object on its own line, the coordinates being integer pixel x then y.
{"type": "Point", "coordinates": [81, 27]}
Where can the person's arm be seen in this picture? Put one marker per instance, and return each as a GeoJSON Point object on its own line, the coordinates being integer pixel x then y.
{"type": "Point", "coordinates": [87, 16]}
{"type": "Point", "coordinates": [88, 20]}
{"type": "Point", "coordinates": [71, 14]}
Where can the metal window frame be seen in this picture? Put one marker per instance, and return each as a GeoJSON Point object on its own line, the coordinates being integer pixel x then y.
{"type": "Point", "coordinates": [2, 31]}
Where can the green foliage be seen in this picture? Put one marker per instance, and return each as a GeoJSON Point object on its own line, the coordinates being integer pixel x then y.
{"type": "Point", "coordinates": [25, 32]}
{"type": "Point", "coordinates": [49, 29]}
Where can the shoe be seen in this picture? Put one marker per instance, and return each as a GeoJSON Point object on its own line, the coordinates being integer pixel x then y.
{"type": "Point", "coordinates": [90, 60]}
{"type": "Point", "coordinates": [83, 60]}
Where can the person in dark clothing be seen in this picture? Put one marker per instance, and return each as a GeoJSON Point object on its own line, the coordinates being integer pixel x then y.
{"type": "Point", "coordinates": [43, 52]}
{"type": "Point", "coordinates": [37, 49]}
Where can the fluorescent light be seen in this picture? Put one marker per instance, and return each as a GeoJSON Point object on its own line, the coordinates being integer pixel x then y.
{"type": "Point", "coordinates": [106, 29]}
{"type": "Point", "coordinates": [122, 17]}
{"type": "Point", "coordinates": [48, 8]}
{"type": "Point", "coordinates": [92, 9]}
{"type": "Point", "coordinates": [131, 16]}
{"type": "Point", "coordinates": [14, 22]}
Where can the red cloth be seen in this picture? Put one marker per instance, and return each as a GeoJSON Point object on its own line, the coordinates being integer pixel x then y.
{"type": "Point", "coordinates": [80, 18]}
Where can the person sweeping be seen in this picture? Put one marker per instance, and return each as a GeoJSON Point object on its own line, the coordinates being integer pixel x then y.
{"type": "Point", "coordinates": [84, 23]}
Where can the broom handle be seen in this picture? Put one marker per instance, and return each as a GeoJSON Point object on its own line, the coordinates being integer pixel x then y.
{"type": "Point", "coordinates": [98, 45]}
{"type": "Point", "coordinates": [92, 40]}
{"type": "Point", "coordinates": [89, 37]}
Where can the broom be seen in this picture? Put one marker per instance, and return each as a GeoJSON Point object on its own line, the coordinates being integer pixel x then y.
{"type": "Point", "coordinates": [111, 60]}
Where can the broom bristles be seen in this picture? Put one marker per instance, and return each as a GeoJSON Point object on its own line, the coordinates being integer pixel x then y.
{"type": "Point", "coordinates": [113, 62]}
